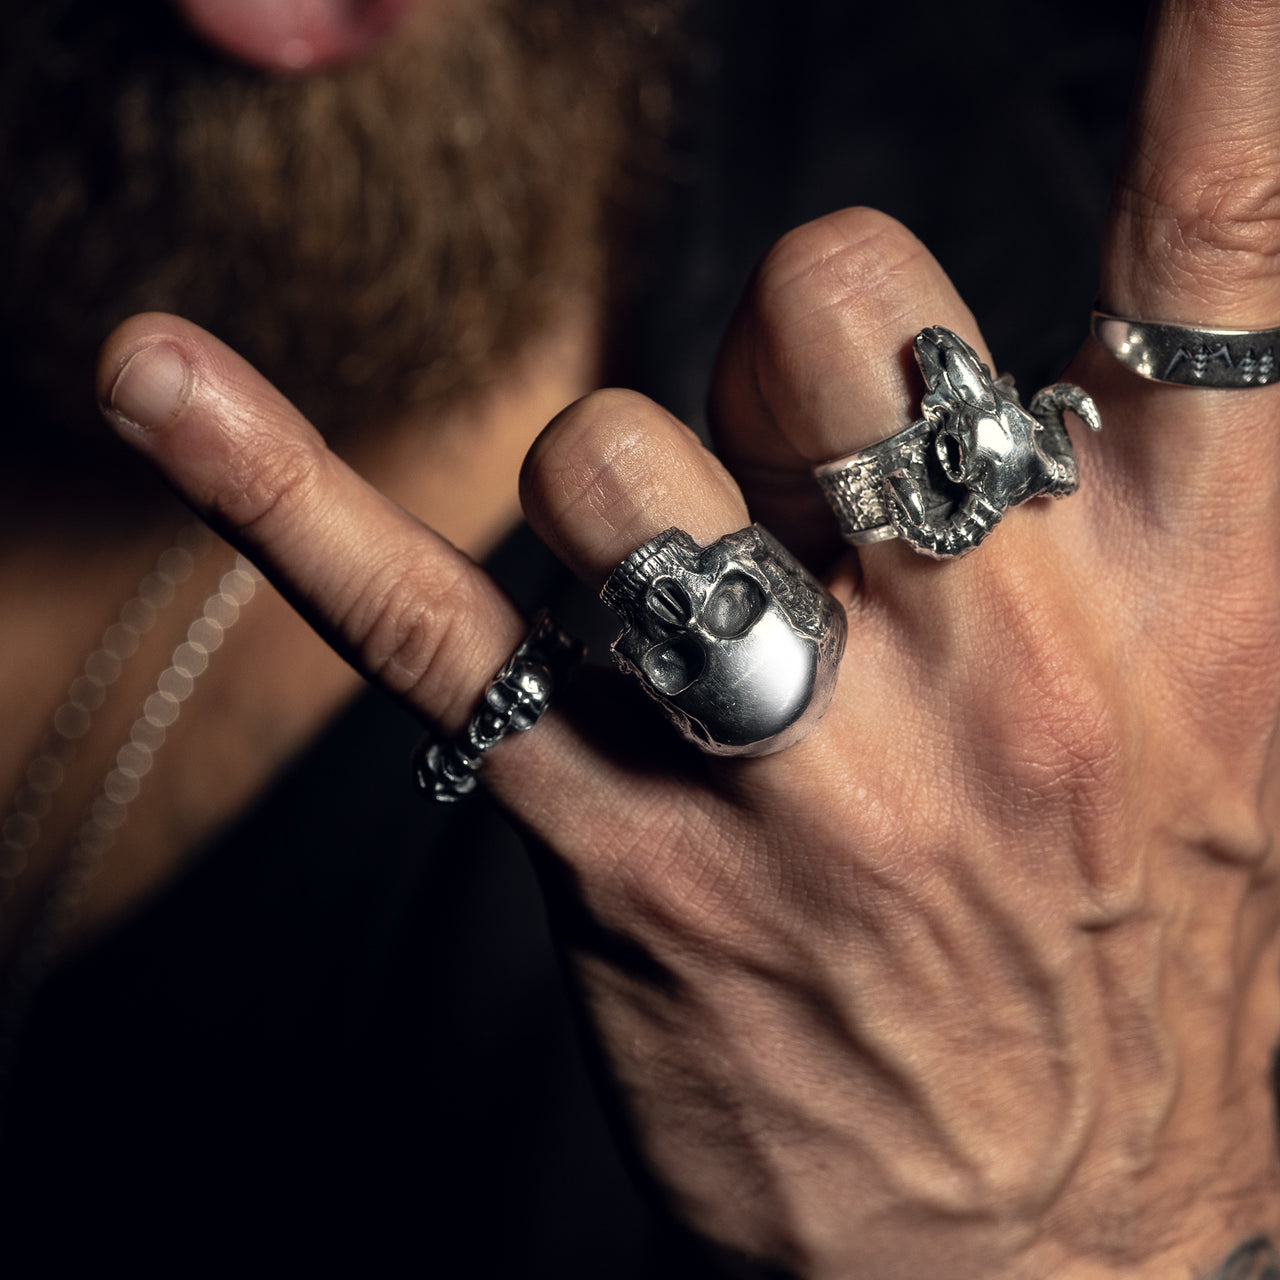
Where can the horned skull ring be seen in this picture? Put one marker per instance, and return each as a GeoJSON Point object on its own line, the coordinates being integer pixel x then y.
{"type": "Point", "coordinates": [737, 641]}
{"type": "Point", "coordinates": [944, 482]}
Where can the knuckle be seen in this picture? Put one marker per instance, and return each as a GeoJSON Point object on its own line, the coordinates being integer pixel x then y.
{"type": "Point", "coordinates": [1237, 215]}
{"type": "Point", "coordinates": [1241, 214]}
{"type": "Point", "coordinates": [585, 421]}
{"type": "Point", "coordinates": [568, 460]}
{"type": "Point", "coordinates": [853, 261]}
{"type": "Point", "coordinates": [263, 490]}
{"type": "Point", "coordinates": [1224, 220]}
{"type": "Point", "coordinates": [615, 462]}
{"type": "Point", "coordinates": [407, 624]}
{"type": "Point", "coordinates": [610, 405]}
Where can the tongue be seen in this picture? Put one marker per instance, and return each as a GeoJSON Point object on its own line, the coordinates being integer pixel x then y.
{"type": "Point", "coordinates": [293, 35]}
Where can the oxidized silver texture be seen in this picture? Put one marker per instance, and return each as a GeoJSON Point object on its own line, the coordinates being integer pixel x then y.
{"type": "Point", "coordinates": [514, 701]}
{"type": "Point", "coordinates": [737, 641]}
{"type": "Point", "coordinates": [1188, 356]}
{"type": "Point", "coordinates": [944, 482]}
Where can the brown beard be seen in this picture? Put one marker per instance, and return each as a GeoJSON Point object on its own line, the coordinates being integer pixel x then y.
{"type": "Point", "coordinates": [382, 236]}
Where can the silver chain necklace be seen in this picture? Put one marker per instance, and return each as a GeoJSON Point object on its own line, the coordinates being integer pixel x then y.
{"type": "Point", "coordinates": [47, 771]}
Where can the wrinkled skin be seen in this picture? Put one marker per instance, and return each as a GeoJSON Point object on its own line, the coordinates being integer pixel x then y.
{"type": "Point", "coordinates": [981, 978]}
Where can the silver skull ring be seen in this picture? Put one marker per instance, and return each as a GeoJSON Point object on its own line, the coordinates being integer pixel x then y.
{"type": "Point", "coordinates": [737, 641]}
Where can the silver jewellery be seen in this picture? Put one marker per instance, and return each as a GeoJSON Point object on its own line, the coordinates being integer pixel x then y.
{"type": "Point", "coordinates": [944, 482]}
{"type": "Point", "coordinates": [737, 641]}
{"type": "Point", "coordinates": [1189, 356]}
{"type": "Point", "coordinates": [513, 703]}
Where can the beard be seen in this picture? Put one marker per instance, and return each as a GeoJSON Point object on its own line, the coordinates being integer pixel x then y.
{"type": "Point", "coordinates": [378, 238]}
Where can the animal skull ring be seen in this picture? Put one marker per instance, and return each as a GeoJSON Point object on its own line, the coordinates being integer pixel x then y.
{"type": "Point", "coordinates": [944, 482]}
{"type": "Point", "coordinates": [737, 641]}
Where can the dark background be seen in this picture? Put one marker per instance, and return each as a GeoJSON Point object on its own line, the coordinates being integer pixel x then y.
{"type": "Point", "coordinates": [991, 128]}
{"type": "Point", "coordinates": [338, 1044]}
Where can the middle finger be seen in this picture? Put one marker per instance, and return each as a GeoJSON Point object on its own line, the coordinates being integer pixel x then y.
{"type": "Point", "coordinates": [818, 364]}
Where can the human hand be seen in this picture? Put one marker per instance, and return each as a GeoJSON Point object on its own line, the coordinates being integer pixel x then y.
{"type": "Point", "coordinates": [981, 977]}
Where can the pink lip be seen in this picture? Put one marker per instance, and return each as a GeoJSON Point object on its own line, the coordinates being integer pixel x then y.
{"type": "Point", "coordinates": [293, 36]}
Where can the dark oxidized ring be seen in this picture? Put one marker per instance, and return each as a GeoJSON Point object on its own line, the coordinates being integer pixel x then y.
{"type": "Point", "coordinates": [513, 702]}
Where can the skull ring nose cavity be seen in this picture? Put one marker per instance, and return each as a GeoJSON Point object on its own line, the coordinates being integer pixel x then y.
{"type": "Point", "coordinates": [738, 643]}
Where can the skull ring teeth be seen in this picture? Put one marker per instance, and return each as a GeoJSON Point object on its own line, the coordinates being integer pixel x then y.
{"type": "Point", "coordinates": [737, 641]}
{"type": "Point", "coordinates": [944, 482]}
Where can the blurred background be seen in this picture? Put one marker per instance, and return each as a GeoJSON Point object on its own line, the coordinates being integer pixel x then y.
{"type": "Point", "coordinates": [989, 127]}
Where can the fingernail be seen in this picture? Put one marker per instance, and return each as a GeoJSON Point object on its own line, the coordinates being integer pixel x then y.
{"type": "Point", "coordinates": [150, 389]}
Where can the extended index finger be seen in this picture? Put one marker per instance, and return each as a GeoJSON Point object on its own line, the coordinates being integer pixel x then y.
{"type": "Point", "coordinates": [400, 603]}
{"type": "Point", "coordinates": [406, 608]}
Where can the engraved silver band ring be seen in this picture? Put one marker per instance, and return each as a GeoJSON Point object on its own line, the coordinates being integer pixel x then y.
{"type": "Point", "coordinates": [1189, 356]}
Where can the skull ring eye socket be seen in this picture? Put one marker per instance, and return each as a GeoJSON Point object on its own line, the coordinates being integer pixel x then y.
{"type": "Point", "coordinates": [733, 606]}
{"type": "Point", "coordinates": [667, 600]}
{"type": "Point", "coordinates": [736, 640]}
{"type": "Point", "coordinates": [672, 667]}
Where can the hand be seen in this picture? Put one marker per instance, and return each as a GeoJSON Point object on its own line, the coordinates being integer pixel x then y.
{"type": "Point", "coordinates": [982, 977]}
